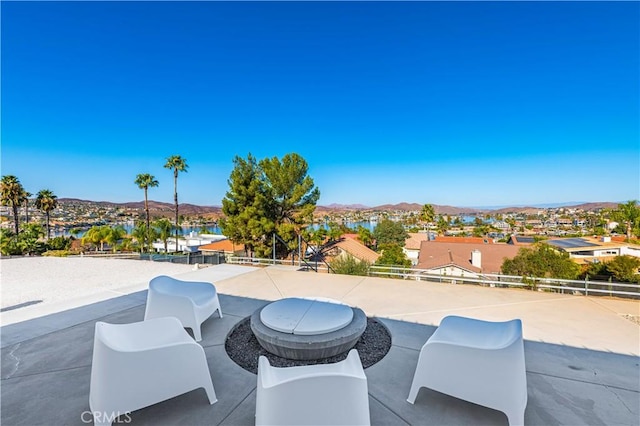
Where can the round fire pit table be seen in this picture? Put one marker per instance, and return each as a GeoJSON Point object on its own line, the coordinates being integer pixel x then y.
{"type": "Point", "coordinates": [305, 329]}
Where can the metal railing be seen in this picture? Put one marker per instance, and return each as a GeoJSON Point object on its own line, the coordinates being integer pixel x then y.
{"type": "Point", "coordinates": [312, 261]}
{"type": "Point", "coordinates": [187, 259]}
{"type": "Point", "coordinates": [110, 254]}
{"type": "Point", "coordinates": [555, 285]}
{"type": "Point", "coordinates": [260, 261]}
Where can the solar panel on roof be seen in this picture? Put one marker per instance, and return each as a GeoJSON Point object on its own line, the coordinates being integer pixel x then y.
{"type": "Point", "coordinates": [569, 243]}
{"type": "Point", "coordinates": [526, 240]}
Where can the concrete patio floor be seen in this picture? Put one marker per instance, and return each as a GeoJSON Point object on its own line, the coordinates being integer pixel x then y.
{"type": "Point", "coordinates": [582, 353]}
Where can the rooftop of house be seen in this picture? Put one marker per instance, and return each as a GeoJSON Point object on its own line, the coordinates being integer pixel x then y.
{"type": "Point", "coordinates": [463, 240]}
{"type": "Point", "coordinates": [225, 245]}
{"type": "Point", "coordinates": [415, 239]}
{"type": "Point", "coordinates": [521, 240]}
{"type": "Point", "coordinates": [588, 243]}
{"type": "Point", "coordinates": [435, 254]}
{"type": "Point", "coordinates": [354, 248]}
{"type": "Point", "coordinates": [581, 352]}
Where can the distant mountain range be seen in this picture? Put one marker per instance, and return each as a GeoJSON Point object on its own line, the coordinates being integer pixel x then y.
{"type": "Point", "coordinates": [452, 210]}
{"type": "Point", "coordinates": [192, 209]}
{"type": "Point", "coordinates": [157, 207]}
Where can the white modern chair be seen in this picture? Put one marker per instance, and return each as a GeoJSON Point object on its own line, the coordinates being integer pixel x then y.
{"type": "Point", "coordinates": [477, 361]}
{"type": "Point", "coordinates": [139, 364]}
{"type": "Point", "coordinates": [192, 302]}
{"type": "Point", "coordinates": [324, 394]}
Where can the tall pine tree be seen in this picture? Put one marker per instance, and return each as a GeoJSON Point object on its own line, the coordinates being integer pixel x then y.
{"type": "Point", "coordinates": [270, 196]}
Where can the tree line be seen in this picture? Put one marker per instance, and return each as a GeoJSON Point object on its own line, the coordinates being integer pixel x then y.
{"type": "Point", "coordinates": [26, 239]}
{"type": "Point", "coordinates": [15, 196]}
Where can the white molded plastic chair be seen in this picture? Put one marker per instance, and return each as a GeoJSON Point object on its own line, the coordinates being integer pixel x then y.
{"type": "Point", "coordinates": [139, 364]}
{"type": "Point", "coordinates": [324, 394]}
{"type": "Point", "coordinates": [192, 302]}
{"type": "Point", "coordinates": [478, 361]}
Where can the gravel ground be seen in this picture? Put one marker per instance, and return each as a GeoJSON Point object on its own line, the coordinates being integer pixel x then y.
{"type": "Point", "coordinates": [243, 347]}
{"type": "Point", "coordinates": [42, 279]}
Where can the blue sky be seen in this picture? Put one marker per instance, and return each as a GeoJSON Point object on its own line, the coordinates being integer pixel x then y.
{"type": "Point", "coordinates": [449, 103]}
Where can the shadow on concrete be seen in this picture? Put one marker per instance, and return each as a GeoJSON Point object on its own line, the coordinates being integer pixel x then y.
{"type": "Point", "coordinates": [46, 368]}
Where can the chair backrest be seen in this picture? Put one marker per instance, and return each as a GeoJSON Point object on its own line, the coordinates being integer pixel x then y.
{"type": "Point", "coordinates": [112, 337]}
{"type": "Point", "coordinates": [478, 334]}
{"type": "Point", "coordinates": [110, 346]}
{"type": "Point", "coordinates": [163, 284]}
{"type": "Point", "coordinates": [326, 394]}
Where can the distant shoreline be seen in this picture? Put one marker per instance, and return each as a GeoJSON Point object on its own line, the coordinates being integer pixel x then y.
{"type": "Point", "coordinates": [187, 208]}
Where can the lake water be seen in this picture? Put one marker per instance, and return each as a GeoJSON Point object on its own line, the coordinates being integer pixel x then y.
{"type": "Point", "coordinates": [216, 230]}
{"type": "Point", "coordinates": [371, 225]}
{"type": "Point", "coordinates": [128, 227]}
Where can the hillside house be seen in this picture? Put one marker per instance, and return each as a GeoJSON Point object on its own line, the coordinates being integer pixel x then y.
{"type": "Point", "coordinates": [412, 245]}
{"type": "Point", "coordinates": [463, 259]}
{"type": "Point", "coordinates": [501, 225]}
{"type": "Point", "coordinates": [591, 249]}
{"type": "Point", "coordinates": [187, 244]}
{"type": "Point", "coordinates": [349, 246]}
{"type": "Point", "coordinates": [226, 246]}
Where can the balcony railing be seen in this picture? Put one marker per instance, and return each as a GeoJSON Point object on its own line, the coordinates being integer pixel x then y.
{"type": "Point", "coordinates": [554, 285]}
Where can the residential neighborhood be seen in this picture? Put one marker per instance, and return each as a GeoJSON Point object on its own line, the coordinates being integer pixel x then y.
{"type": "Point", "coordinates": [468, 244]}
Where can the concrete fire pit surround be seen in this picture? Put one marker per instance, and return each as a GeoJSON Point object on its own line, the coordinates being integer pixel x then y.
{"type": "Point", "coordinates": [309, 347]}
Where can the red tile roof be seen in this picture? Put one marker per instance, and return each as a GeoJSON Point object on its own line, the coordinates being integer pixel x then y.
{"type": "Point", "coordinates": [415, 239]}
{"type": "Point", "coordinates": [434, 254]}
{"type": "Point", "coordinates": [356, 249]}
{"type": "Point", "coordinates": [465, 240]}
{"type": "Point", "coordinates": [223, 245]}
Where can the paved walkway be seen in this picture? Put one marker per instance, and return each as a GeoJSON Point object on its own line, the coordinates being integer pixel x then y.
{"type": "Point", "coordinates": [581, 352]}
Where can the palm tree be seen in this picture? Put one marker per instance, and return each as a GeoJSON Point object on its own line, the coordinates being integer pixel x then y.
{"type": "Point", "coordinates": [13, 196]}
{"type": "Point", "coordinates": [164, 228]}
{"type": "Point", "coordinates": [29, 239]}
{"type": "Point", "coordinates": [46, 201]}
{"type": "Point", "coordinates": [97, 235]}
{"type": "Point", "coordinates": [177, 164]}
{"type": "Point", "coordinates": [427, 214]}
{"type": "Point", "coordinates": [92, 236]}
{"type": "Point", "coordinates": [114, 235]}
{"type": "Point", "coordinates": [141, 234]}
{"type": "Point", "coordinates": [629, 213]}
{"type": "Point", "coordinates": [443, 225]}
{"type": "Point", "coordinates": [144, 181]}
{"type": "Point", "coordinates": [27, 194]}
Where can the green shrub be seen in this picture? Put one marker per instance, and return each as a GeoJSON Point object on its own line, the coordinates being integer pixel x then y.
{"type": "Point", "coordinates": [59, 243]}
{"type": "Point", "coordinates": [349, 265]}
{"type": "Point", "coordinates": [57, 253]}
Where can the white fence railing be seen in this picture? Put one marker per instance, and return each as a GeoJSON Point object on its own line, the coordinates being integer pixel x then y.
{"type": "Point", "coordinates": [557, 285]}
